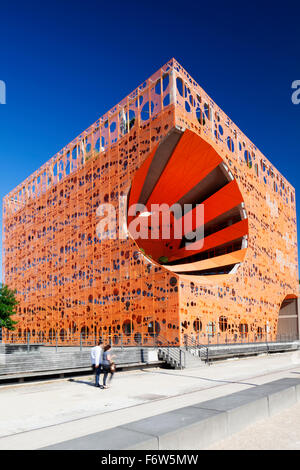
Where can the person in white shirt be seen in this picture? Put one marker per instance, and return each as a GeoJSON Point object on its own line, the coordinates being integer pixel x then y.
{"type": "Point", "coordinates": [96, 360]}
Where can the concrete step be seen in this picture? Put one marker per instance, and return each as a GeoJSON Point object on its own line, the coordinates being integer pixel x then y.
{"type": "Point", "coordinates": [171, 356]}
{"type": "Point", "coordinates": [192, 361]}
{"type": "Point", "coordinates": [43, 360]}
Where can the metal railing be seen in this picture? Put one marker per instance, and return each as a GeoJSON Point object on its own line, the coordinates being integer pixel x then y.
{"type": "Point", "coordinates": [174, 355]}
{"type": "Point", "coordinates": [81, 340]}
{"type": "Point", "coordinates": [217, 349]}
{"type": "Point", "coordinates": [245, 338]}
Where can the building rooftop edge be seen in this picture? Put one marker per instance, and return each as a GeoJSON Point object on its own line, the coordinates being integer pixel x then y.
{"type": "Point", "coordinates": [171, 64]}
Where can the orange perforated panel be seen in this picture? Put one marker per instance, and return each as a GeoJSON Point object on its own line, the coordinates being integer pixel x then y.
{"type": "Point", "coordinates": [69, 281]}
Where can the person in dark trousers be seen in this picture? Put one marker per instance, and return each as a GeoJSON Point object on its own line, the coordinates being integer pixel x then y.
{"type": "Point", "coordinates": [108, 365]}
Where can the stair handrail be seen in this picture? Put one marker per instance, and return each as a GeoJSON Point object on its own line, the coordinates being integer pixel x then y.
{"type": "Point", "coordinates": [192, 342]}
{"type": "Point", "coordinates": [173, 352]}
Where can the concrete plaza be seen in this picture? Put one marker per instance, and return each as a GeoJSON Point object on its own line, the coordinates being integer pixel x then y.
{"type": "Point", "coordinates": [41, 414]}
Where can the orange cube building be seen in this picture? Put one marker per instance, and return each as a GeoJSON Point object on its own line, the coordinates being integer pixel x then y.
{"type": "Point", "coordinates": [165, 143]}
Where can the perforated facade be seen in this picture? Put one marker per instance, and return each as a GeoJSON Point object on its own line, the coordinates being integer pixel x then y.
{"type": "Point", "coordinates": [69, 281]}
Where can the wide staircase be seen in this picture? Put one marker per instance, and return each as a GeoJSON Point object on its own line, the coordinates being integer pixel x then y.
{"type": "Point", "coordinates": [194, 354]}
{"type": "Point", "coordinates": [17, 361]}
{"type": "Point", "coordinates": [21, 361]}
{"type": "Point", "coordinates": [178, 357]}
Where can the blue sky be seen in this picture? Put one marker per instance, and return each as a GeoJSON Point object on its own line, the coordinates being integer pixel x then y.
{"type": "Point", "coordinates": [65, 63]}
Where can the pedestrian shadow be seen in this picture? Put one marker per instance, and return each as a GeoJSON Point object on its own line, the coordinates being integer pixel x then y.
{"type": "Point", "coordinates": [85, 382]}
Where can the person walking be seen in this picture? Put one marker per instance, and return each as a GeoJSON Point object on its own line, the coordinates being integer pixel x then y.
{"type": "Point", "coordinates": [108, 365]}
{"type": "Point", "coordinates": [96, 360]}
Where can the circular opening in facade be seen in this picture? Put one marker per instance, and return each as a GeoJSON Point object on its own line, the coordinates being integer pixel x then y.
{"type": "Point", "coordinates": [185, 210]}
{"type": "Point", "coordinates": [223, 323]}
{"type": "Point", "coordinates": [154, 328]}
{"type": "Point", "coordinates": [138, 338]}
{"type": "Point", "coordinates": [197, 325]}
{"type": "Point", "coordinates": [127, 327]}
